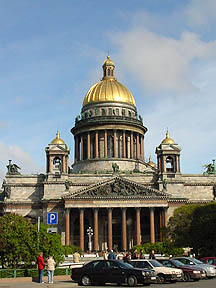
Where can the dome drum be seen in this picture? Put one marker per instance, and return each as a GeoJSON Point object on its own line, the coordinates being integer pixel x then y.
{"type": "Point", "coordinates": [94, 166]}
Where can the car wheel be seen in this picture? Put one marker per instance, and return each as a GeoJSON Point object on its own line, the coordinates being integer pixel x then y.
{"type": "Point", "coordinates": [132, 281]}
{"type": "Point", "coordinates": [161, 279]}
{"type": "Point", "coordinates": [85, 280]}
{"type": "Point", "coordinates": [187, 277]}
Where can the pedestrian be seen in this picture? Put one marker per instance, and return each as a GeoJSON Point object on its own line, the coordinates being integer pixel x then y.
{"type": "Point", "coordinates": [141, 255]}
{"type": "Point", "coordinates": [152, 254]}
{"type": "Point", "coordinates": [41, 265]}
{"type": "Point", "coordinates": [111, 255]}
{"type": "Point", "coordinates": [76, 256]}
{"type": "Point", "coordinates": [50, 269]}
{"type": "Point", "coordinates": [134, 254]}
{"type": "Point", "coordinates": [127, 257]}
{"type": "Point", "coordinates": [105, 255]}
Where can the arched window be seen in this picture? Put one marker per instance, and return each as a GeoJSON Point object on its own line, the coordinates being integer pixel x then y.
{"type": "Point", "coordinates": [57, 164]}
{"type": "Point", "coordinates": [170, 164]}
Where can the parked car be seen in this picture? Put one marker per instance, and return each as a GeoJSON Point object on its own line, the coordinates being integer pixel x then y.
{"type": "Point", "coordinates": [209, 260]}
{"type": "Point", "coordinates": [112, 271]}
{"type": "Point", "coordinates": [190, 273]}
{"type": "Point", "coordinates": [209, 269]}
{"type": "Point", "coordinates": [164, 274]}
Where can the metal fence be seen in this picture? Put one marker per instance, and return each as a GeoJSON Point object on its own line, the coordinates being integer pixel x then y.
{"type": "Point", "coordinates": [15, 273]}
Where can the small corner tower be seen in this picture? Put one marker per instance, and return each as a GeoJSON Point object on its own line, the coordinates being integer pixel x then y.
{"type": "Point", "coordinates": [168, 157]}
{"type": "Point", "coordinates": [57, 154]}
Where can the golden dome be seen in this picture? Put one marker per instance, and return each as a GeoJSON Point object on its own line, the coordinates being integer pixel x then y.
{"type": "Point", "coordinates": [151, 163]}
{"type": "Point", "coordinates": [108, 89]}
{"type": "Point", "coordinates": [57, 140]}
{"type": "Point", "coordinates": [168, 140]}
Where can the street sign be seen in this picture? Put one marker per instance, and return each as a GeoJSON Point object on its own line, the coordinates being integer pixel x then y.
{"type": "Point", "coordinates": [52, 230]}
{"type": "Point", "coordinates": [52, 218]}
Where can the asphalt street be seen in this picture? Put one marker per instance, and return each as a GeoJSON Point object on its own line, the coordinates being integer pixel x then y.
{"type": "Point", "coordinates": [65, 283]}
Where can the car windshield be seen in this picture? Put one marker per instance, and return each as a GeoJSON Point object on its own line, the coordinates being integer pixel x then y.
{"type": "Point", "coordinates": [125, 265]}
{"type": "Point", "coordinates": [177, 263]}
{"type": "Point", "coordinates": [155, 263]}
{"type": "Point", "coordinates": [197, 261]}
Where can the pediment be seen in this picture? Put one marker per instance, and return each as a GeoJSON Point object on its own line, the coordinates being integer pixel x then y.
{"type": "Point", "coordinates": [56, 147]}
{"type": "Point", "coordinates": [116, 188]}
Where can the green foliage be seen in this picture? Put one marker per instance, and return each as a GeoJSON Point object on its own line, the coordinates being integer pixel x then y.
{"type": "Point", "coordinates": [50, 244]}
{"type": "Point", "coordinates": [203, 233]}
{"type": "Point", "coordinates": [18, 241]}
{"type": "Point", "coordinates": [180, 224]}
{"type": "Point", "coordinates": [165, 247]}
{"type": "Point", "coordinates": [71, 249]}
{"type": "Point", "coordinates": [194, 226]}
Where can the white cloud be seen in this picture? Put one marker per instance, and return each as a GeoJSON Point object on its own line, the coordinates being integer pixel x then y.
{"type": "Point", "coordinates": [18, 156]}
{"type": "Point", "coordinates": [162, 63]}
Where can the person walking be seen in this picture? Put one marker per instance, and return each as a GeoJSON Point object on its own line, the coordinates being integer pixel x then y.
{"type": "Point", "coordinates": [141, 255]}
{"type": "Point", "coordinates": [152, 254]}
{"type": "Point", "coordinates": [41, 265]}
{"type": "Point", "coordinates": [50, 269]}
{"type": "Point", "coordinates": [76, 256]}
{"type": "Point", "coordinates": [111, 255]}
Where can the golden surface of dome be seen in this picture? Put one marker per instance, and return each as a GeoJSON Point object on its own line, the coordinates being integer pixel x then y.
{"type": "Point", "coordinates": [151, 163]}
{"type": "Point", "coordinates": [168, 140]}
{"type": "Point", "coordinates": [57, 140]}
{"type": "Point", "coordinates": [108, 89]}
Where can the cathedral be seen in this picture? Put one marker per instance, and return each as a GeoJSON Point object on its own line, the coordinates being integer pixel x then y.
{"type": "Point", "coordinates": [110, 188]}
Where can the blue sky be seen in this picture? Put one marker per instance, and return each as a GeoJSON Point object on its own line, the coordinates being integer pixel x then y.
{"type": "Point", "coordinates": [51, 52]}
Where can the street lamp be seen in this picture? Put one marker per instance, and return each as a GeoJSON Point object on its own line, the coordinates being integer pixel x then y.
{"type": "Point", "coordinates": [90, 234]}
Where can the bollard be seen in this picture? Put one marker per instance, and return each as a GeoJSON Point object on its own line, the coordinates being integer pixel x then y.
{"type": "Point", "coordinates": [14, 273]}
{"type": "Point", "coordinates": [67, 271]}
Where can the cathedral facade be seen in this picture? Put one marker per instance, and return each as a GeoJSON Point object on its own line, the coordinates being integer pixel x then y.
{"type": "Point", "coordinates": [110, 188]}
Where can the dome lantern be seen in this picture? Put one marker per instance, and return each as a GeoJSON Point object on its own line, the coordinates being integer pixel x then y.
{"type": "Point", "coordinates": [108, 69]}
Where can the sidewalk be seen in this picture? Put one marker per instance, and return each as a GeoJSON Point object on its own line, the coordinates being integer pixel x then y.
{"type": "Point", "coordinates": [59, 281]}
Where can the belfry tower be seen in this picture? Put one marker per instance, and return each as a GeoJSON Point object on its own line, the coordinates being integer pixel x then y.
{"type": "Point", "coordinates": [57, 156]}
{"type": "Point", "coordinates": [168, 157]}
{"type": "Point", "coordinates": [109, 131]}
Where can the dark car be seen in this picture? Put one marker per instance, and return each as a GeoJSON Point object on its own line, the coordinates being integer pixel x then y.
{"type": "Point", "coordinates": [111, 271]}
{"type": "Point", "coordinates": [190, 273]}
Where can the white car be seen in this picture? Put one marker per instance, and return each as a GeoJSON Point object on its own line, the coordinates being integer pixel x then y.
{"type": "Point", "coordinates": [164, 274]}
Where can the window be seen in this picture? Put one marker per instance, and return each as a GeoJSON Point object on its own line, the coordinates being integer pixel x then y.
{"type": "Point", "coordinates": [170, 164]}
{"type": "Point", "coordinates": [123, 112]}
{"type": "Point", "coordinates": [110, 111]}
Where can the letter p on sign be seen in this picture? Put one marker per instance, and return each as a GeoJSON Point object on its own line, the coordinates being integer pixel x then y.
{"type": "Point", "coordinates": [52, 218]}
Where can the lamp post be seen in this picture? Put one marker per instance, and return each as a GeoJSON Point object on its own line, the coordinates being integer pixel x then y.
{"type": "Point", "coordinates": [90, 234]}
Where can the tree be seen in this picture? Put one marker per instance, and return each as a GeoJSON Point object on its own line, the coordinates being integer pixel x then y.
{"type": "Point", "coordinates": [203, 231]}
{"type": "Point", "coordinates": [18, 241]}
{"type": "Point", "coordinates": [50, 244]}
{"type": "Point", "coordinates": [179, 226]}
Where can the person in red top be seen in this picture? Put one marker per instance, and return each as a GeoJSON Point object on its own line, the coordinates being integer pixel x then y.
{"type": "Point", "coordinates": [41, 265]}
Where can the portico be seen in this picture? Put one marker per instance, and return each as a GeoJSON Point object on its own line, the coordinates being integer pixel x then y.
{"type": "Point", "coordinates": [119, 219]}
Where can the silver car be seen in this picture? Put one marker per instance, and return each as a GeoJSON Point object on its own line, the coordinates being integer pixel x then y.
{"type": "Point", "coordinates": [209, 269]}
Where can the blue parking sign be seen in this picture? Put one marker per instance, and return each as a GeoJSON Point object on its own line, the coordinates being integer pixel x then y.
{"type": "Point", "coordinates": [52, 218]}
